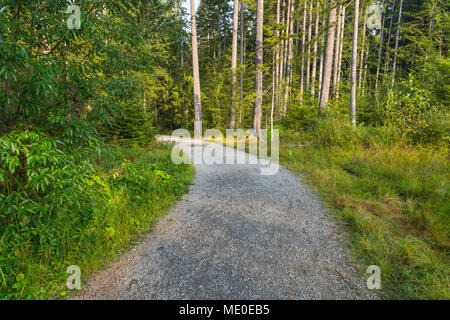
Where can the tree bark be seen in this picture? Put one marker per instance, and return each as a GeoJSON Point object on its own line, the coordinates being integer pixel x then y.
{"type": "Point", "coordinates": [308, 63]}
{"type": "Point", "coordinates": [302, 68]}
{"type": "Point", "coordinates": [234, 63]}
{"type": "Point", "coordinates": [290, 56]}
{"type": "Point", "coordinates": [316, 39]}
{"type": "Point", "coordinates": [363, 49]}
{"type": "Point", "coordinates": [380, 50]}
{"type": "Point", "coordinates": [276, 66]}
{"type": "Point", "coordinates": [340, 53]}
{"type": "Point", "coordinates": [257, 113]}
{"type": "Point", "coordinates": [389, 38]}
{"type": "Point", "coordinates": [336, 69]}
{"type": "Point", "coordinates": [354, 65]}
{"type": "Point", "coordinates": [394, 65]}
{"type": "Point", "coordinates": [322, 56]}
{"type": "Point", "coordinates": [198, 130]}
{"type": "Point", "coordinates": [328, 63]}
{"type": "Point", "coordinates": [281, 61]}
{"type": "Point", "coordinates": [242, 63]}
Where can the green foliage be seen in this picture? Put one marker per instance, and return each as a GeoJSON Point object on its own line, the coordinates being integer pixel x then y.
{"type": "Point", "coordinates": [393, 197]}
{"type": "Point", "coordinates": [59, 212]}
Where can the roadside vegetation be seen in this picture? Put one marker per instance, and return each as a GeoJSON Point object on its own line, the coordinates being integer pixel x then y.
{"type": "Point", "coordinates": [83, 215]}
{"type": "Point", "coordinates": [392, 195]}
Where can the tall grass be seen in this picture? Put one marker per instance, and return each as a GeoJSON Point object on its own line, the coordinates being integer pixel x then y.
{"type": "Point", "coordinates": [392, 195]}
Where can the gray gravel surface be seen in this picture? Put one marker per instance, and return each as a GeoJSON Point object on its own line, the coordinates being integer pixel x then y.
{"type": "Point", "coordinates": [237, 235]}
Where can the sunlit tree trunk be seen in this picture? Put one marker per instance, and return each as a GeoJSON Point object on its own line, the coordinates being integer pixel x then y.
{"type": "Point", "coordinates": [337, 50]}
{"type": "Point", "coordinates": [328, 63]}
{"type": "Point", "coordinates": [380, 50]}
{"type": "Point", "coordinates": [281, 61]}
{"type": "Point", "coordinates": [386, 63]}
{"type": "Point", "coordinates": [394, 65]}
{"type": "Point", "coordinates": [276, 67]}
{"type": "Point", "coordinates": [302, 68]}
{"type": "Point", "coordinates": [290, 56]}
{"type": "Point", "coordinates": [257, 113]}
{"type": "Point", "coordinates": [308, 63]}
{"type": "Point", "coordinates": [316, 39]}
{"type": "Point", "coordinates": [363, 49]}
{"type": "Point", "coordinates": [340, 53]}
{"type": "Point", "coordinates": [291, 49]}
{"type": "Point", "coordinates": [354, 65]}
{"type": "Point", "coordinates": [234, 63]}
{"type": "Point", "coordinates": [322, 56]}
{"type": "Point", "coordinates": [197, 95]}
{"type": "Point", "coordinates": [242, 63]}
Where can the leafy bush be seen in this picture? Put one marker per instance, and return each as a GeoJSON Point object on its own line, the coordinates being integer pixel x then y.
{"type": "Point", "coordinates": [57, 210]}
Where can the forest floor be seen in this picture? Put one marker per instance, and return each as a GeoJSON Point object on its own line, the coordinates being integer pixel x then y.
{"type": "Point", "coordinates": [237, 235]}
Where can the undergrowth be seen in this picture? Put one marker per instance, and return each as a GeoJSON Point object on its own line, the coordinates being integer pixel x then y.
{"type": "Point", "coordinates": [393, 195]}
{"type": "Point", "coordinates": [57, 211]}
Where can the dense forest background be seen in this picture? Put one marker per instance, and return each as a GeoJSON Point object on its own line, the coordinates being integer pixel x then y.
{"type": "Point", "coordinates": [76, 82]}
{"type": "Point", "coordinates": [70, 98]}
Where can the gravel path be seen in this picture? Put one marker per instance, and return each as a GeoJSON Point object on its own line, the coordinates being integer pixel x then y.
{"type": "Point", "coordinates": [237, 235]}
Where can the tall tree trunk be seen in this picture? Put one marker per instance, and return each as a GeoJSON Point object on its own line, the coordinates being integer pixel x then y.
{"type": "Point", "coordinates": [281, 60]}
{"type": "Point", "coordinates": [242, 63]}
{"type": "Point", "coordinates": [308, 63]}
{"type": "Point", "coordinates": [363, 49]}
{"type": "Point", "coordinates": [302, 68]}
{"type": "Point", "coordinates": [386, 63]}
{"type": "Point", "coordinates": [316, 39]}
{"type": "Point", "coordinates": [197, 95]}
{"type": "Point", "coordinates": [340, 53]}
{"type": "Point", "coordinates": [364, 84]}
{"type": "Point", "coordinates": [380, 50]}
{"type": "Point", "coordinates": [322, 56]}
{"type": "Point", "coordinates": [354, 65]}
{"type": "Point", "coordinates": [234, 63]}
{"type": "Point", "coordinates": [328, 63]}
{"type": "Point", "coordinates": [257, 113]}
{"type": "Point", "coordinates": [336, 69]}
{"type": "Point", "coordinates": [276, 67]}
{"type": "Point", "coordinates": [290, 56]}
{"type": "Point", "coordinates": [394, 65]}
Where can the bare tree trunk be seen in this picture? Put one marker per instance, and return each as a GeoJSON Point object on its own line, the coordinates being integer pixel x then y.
{"type": "Point", "coordinates": [291, 52]}
{"type": "Point", "coordinates": [316, 39]}
{"type": "Point", "coordinates": [364, 85]}
{"type": "Point", "coordinates": [196, 75]}
{"type": "Point", "coordinates": [328, 63]}
{"type": "Point", "coordinates": [340, 53]}
{"type": "Point", "coordinates": [281, 62]}
{"type": "Point", "coordinates": [234, 63]}
{"type": "Point", "coordinates": [276, 66]}
{"type": "Point", "coordinates": [322, 56]}
{"type": "Point", "coordinates": [242, 63]}
{"type": "Point", "coordinates": [363, 49]}
{"type": "Point", "coordinates": [354, 65]}
{"type": "Point", "coordinates": [389, 38]}
{"type": "Point", "coordinates": [380, 51]}
{"type": "Point", "coordinates": [290, 56]}
{"type": "Point", "coordinates": [394, 65]}
{"type": "Point", "coordinates": [308, 63]}
{"type": "Point", "coordinates": [258, 64]}
{"type": "Point", "coordinates": [336, 69]}
{"type": "Point", "coordinates": [302, 69]}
